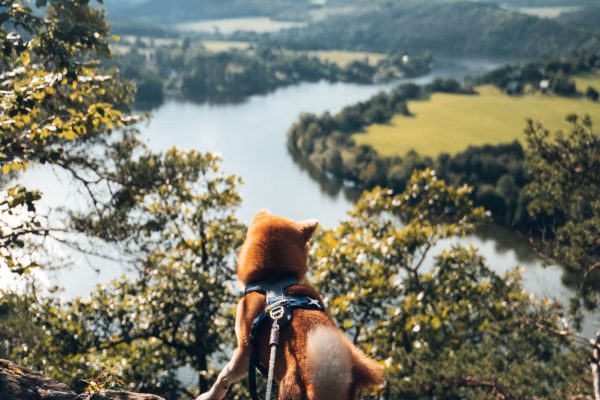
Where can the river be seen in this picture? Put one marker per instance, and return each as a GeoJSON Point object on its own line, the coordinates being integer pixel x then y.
{"type": "Point", "coordinates": [251, 139]}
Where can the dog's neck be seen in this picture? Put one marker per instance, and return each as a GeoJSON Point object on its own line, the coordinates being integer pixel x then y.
{"type": "Point", "coordinates": [270, 288]}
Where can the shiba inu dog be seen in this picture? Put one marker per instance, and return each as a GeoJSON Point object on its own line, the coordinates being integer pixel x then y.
{"type": "Point", "coordinates": [315, 360]}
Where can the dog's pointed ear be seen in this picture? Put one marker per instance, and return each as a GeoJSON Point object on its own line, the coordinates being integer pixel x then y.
{"type": "Point", "coordinates": [262, 213]}
{"type": "Point", "coordinates": [307, 227]}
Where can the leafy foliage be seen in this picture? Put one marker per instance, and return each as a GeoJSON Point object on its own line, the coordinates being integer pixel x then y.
{"type": "Point", "coordinates": [566, 192]}
{"type": "Point", "coordinates": [53, 91]}
{"type": "Point", "coordinates": [56, 103]}
{"type": "Point", "coordinates": [18, 219]}
{"type": "Point", "coordinates": [449, 328]}
{"type": "Point", "coordinates": [177, 223]}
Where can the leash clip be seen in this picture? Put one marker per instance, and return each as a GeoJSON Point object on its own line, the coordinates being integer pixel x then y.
{"type": "Point", "coordinates": [277, 309]}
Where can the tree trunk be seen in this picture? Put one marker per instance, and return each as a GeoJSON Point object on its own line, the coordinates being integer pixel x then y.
{"type": "Point", "coordinates": [595, 365]}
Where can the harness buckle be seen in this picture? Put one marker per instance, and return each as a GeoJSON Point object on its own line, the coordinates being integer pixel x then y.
{"type": "Point", "coordinates": [277, 310]}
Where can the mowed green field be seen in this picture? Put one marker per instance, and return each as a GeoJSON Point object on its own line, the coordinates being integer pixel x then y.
{"type": "Point", "coordinates": [450, 123]}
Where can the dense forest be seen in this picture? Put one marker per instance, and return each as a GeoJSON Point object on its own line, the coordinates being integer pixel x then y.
{"type": "Point", "coordinates": [190, 10]}
{"type": "Point", "coordinates": [455, 330]}
{"type": "Point", "coordinates": [450, 28]}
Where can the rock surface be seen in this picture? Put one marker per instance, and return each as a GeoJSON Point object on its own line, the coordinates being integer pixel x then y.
{"type": "Point", "coordinates": [18, 383]}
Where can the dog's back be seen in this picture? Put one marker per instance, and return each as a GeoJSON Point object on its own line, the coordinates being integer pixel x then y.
{"type": "Point", "coordinates": [316, 361]}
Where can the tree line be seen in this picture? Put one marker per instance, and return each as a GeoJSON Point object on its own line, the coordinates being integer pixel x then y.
{"type": "Point", "coordinates": [550, 76]}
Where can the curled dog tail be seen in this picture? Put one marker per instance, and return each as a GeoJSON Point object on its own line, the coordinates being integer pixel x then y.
{"type": "Point", "coordinates": [367, 372]}
{"type": "Point", "coordinates": [338, 368]}
{"type": "Point", "coordinates": [330, 363]}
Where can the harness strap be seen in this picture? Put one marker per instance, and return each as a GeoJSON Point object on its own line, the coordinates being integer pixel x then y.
{"type": "Point", "coordinates": [270, 289]}
{"type": "Point", "coordinates": [288, 304]}
{"type": "Point", "coordinates": [252, 376]}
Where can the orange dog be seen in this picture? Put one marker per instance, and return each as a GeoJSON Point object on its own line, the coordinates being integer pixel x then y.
{"type": "Point", "coordinates": [315, 360]}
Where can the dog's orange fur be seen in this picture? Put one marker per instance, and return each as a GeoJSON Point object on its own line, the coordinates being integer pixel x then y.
{"type": "Point", "coordinates": [275, 248]}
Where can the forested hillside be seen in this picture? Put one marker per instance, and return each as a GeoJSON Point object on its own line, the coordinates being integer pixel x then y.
{"type": "Point", "coordinates": [187, 10]}
{"type": "Point", "coordinates": [540, 3]}
{"type": "Point", "coordinates": [588, 17]}
{"type": "Point", "coordinates": [450, 28]}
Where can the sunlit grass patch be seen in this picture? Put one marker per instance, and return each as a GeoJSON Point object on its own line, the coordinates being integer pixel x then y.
{"type": "Point", "coordinates": [547, 12]}
{"type": "Point", "coordinates": [586, 80]}
{"type": "Point", "coordinates": [449, 122]}
{"type": "Point", "coordinates": [343, 58]}
{"type": "Point", "coordinates": [122, 49]}
{"type": "Point", "coordinates": [253, 24]}
{"type": "Point", "coordinates": [217, 46]}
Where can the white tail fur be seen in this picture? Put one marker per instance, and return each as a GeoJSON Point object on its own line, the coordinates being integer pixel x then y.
{"type": "Point", "coordinates": [330, 363]}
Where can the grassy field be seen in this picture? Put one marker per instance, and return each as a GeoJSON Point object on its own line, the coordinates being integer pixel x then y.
{"type": "Point", "coordinates": [255, 24]}
{"type": "Point", "coordinates": [547, 12]}
{"type": "Point", "coordinates": [449, 123]}
{"type": "Point", "coordinates": [121, 49]}
{"type": "Point", "coordinates": [343, 58]}
{"type": "Point", "coordinates": [584, 81]}
{"type": "Point", "coordinates": [217, 46]}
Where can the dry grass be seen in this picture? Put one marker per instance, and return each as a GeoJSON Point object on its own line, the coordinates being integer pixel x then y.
{"type": "Point", "coordinates": [449, 123]}
{"type": "Point", "coordinates": [217, 46]}
{"type": "Point", "coordinates": [343, 58]}
{"type": "Point", "coordinates": [584, 81]}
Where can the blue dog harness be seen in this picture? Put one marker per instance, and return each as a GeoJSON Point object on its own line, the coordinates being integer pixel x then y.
{"type": "Point", "coordinates": [278, 309]}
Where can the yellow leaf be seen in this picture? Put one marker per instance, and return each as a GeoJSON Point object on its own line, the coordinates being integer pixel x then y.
{"type": "Point", "coordinates": [69, 135]}
{"type": "Point", "coordinates": [25, 59]}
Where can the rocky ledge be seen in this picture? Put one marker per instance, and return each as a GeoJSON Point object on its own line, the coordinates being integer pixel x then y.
{"type": "Point", "coordinates": [18, 383]}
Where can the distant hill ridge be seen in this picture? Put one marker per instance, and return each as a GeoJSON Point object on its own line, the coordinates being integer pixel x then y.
{"type": "Point", "coordinates": [459, 27]}
{"type": "Point", "coordinates": [588, 17]}
{"type": "Point", "coordinates": [188, 10]}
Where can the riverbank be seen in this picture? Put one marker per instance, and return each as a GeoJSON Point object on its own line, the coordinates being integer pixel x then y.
{"type": "Point", "coordinates": [231, 73]}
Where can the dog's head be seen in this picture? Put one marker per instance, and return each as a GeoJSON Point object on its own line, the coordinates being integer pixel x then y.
{"type": "Point", "coordinates": [274, 248]}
